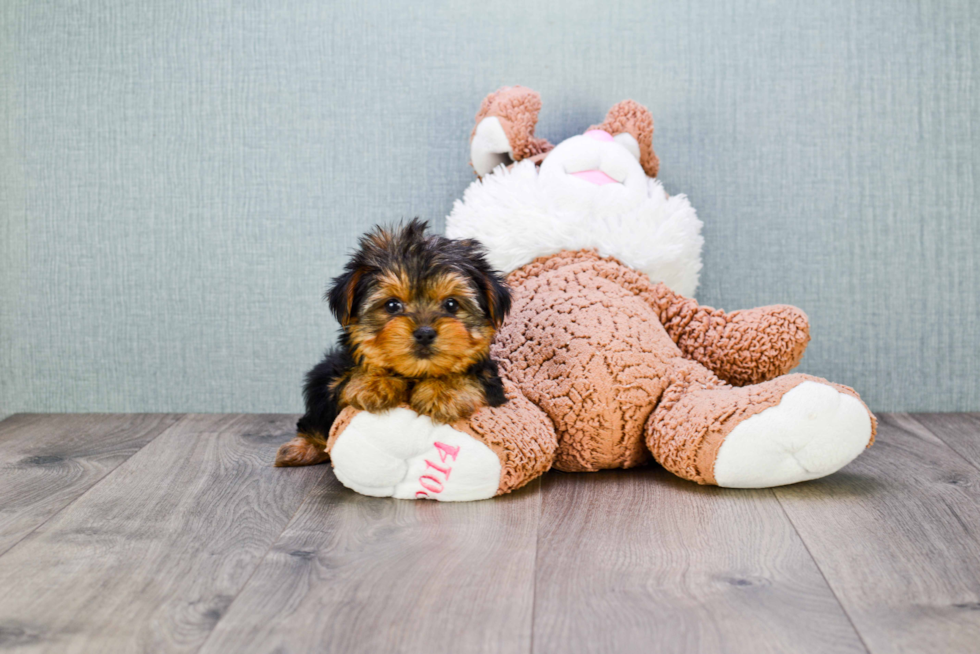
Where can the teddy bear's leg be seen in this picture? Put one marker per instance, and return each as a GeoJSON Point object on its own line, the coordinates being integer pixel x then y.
{"type": "Point", "coordinates": [790, 429]}
{"type": "Point", "coordinates": [402, 454]}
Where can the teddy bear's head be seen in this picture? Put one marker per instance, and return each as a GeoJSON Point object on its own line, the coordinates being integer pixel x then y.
{"type": "Point", "coordinates": [597, 190]}
{"type": "Point", "coordinates": [613, 158]}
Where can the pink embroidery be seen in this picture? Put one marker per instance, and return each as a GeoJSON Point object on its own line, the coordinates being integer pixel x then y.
{"type": "Point", "coordinates": [431, 486]}
{"type": "Point", "coordinates": [444, 471]}
{"type": "Point", "coordinates": [444, 450]}
{"type": "Point", "coordinates": [431, 483]}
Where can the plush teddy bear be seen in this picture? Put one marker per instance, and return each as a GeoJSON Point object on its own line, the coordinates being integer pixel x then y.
{"type": "Point", "coordinates": [605, 363]}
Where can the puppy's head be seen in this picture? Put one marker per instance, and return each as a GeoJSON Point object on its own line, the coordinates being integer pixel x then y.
{"type": "Point", "coordinates": [420, 305]}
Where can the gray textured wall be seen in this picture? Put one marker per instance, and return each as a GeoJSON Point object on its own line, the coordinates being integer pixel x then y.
{"type": "Point", "coordinates": [179, 179]}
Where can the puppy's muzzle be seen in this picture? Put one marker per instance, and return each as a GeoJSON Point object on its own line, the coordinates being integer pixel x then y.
{"type": "Point", "coordinates": [424, 335]}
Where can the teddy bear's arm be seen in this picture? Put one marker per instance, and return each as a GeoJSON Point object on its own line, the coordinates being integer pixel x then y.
{"type": "Point", "coordinates": [741, 347]}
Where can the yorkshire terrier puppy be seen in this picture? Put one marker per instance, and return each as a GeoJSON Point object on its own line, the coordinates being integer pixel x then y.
{"type": "Point", "coordinates": [417, 314]}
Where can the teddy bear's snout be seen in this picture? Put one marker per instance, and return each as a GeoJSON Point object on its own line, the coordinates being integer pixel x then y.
{"type": "Point", "coordinates": [599, 135]}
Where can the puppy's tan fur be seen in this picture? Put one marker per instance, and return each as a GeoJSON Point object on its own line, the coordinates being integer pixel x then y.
{"type": "Point", "coordinates": [418, 315]}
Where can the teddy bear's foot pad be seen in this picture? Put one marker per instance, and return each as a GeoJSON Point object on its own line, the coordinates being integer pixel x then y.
{"type": "Point", "coordinates": [813, 431]}
{"type": "Point", "coordinates": [407, 456]}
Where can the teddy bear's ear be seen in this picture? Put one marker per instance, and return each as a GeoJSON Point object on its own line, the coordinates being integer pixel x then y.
{"type": "Point", "coordinates": [631, 124]}
{"type": "Point", "coordinates": [504, 130]}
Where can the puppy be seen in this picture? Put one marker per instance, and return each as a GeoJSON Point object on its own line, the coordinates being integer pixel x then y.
{"type": "Point", "coordinates": [417, 314]}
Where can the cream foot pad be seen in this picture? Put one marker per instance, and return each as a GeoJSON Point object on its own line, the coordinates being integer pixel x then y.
{"type": "Point", "coordinates": [404, 455]}
{"type": "Point", "coordinates": [813, 432]}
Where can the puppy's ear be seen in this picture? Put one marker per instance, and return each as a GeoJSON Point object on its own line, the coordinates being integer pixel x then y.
{"type": "Point", "coordinates": [494, 294]}
{"type": "Point", "coordinates": [496, 299]}
{"type": "Point", "coordinates": [346, 292]}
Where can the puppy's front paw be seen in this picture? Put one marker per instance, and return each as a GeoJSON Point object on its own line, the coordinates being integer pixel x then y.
{"type": "Point", "coordinates": [447, 399]}
{"type": "Point", "coordinates": [375, 391]}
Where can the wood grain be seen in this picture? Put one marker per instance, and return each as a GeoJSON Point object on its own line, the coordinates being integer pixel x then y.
{"type": "Point", "coordinates": [361, 574]}
{"type": "Point", "coordinates": [195, 543]}
{"type": "Point", "coordinates": [151, 557]}
{"type": "Point", "coordinates": [642, 561]}
{"type": "Point", "coordinates": [896, 534]}
{"type": "Point", "coordinates": [46, 461]}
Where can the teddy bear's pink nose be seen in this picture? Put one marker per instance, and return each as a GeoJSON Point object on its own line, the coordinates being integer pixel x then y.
{"type": "Point", "coordinates": [599, 135]}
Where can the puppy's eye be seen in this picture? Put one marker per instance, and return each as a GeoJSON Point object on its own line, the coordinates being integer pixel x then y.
{"type": "Point", "coordinates": [451, 305]}
{"type": "Point", "coordinates": [393, 307]}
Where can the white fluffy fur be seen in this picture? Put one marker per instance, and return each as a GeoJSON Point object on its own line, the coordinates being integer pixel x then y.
{"type": "Point", "coordinates": [388, 455]}
{"type": "Point", "coordinates": [520, 214]}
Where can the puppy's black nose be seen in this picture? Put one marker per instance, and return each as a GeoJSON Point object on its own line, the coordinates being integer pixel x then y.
{"type": "Point", "coordinates": [424, 335]}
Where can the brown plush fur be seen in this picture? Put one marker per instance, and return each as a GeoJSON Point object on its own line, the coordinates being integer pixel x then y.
{"type": "Point", "coordinates": [633, 118]}
{"type": "Point", "coordinates": [604, 369]}
{"type": "Point", "coordinates": [516, 107]}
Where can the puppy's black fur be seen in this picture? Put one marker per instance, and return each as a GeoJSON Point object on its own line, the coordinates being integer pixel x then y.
{"type": "Point", "coordinates": [322, 401]}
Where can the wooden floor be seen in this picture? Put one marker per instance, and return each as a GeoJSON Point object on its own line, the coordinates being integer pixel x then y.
{"type": "Point", "coordinates": [172, 533]}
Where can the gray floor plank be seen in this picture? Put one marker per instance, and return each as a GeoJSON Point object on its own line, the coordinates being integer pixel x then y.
{"type": "Point", "coordinates": [961, 431]}
{"type": "Point", "coordinates": [150, 558]}
{"type": "Point", "coordinates": [641, 561]}
{"type": "Point", "coordinates": [897, 535]}
{"type": "Point", "coordinates": [46, 461]}
{"type": "Point", "coordinates": [138, 533]}
{"type": "Point", "coordinates": [361, 574]}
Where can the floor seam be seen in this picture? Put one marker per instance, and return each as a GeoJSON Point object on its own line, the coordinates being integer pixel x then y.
{"type": "Point", "coordinates": [537, 549]}
{"type": "Point", "coordinates": [181, 416]}
{"type": "Point", "coordinates": [306, 498]}
{"type": "Point", "coordinates": [913, 417]}
{"type": "Point", "coordinates": [826, 581]}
